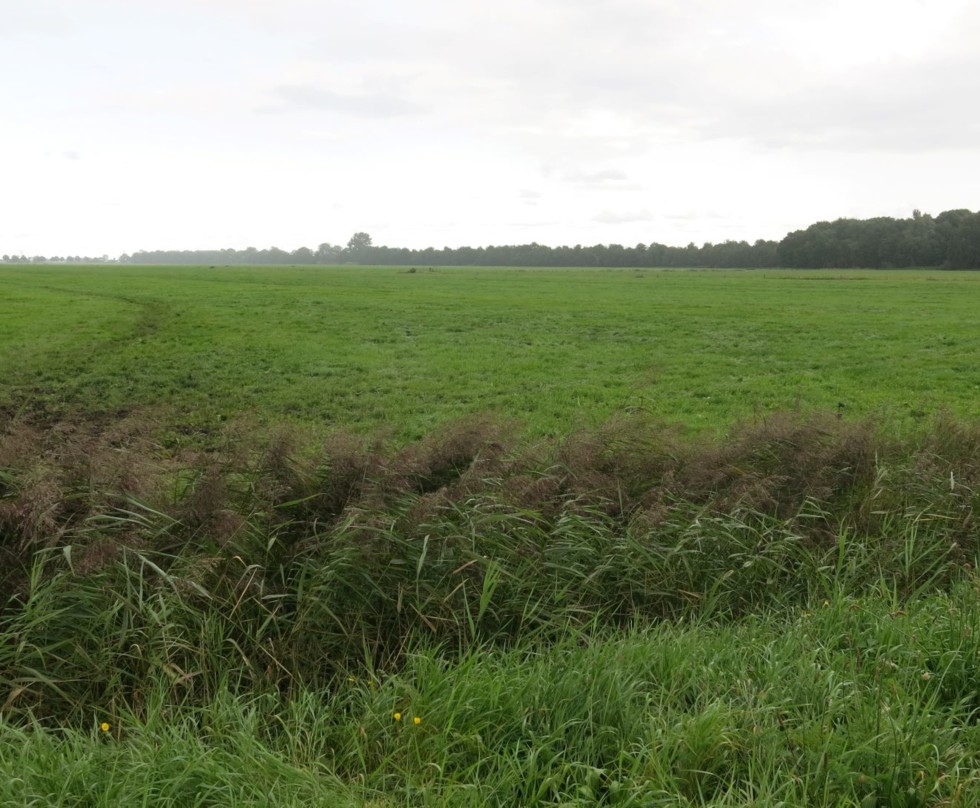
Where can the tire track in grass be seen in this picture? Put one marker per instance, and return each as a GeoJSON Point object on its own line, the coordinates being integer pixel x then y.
{"type": "Point", "coordinates": [30, 395]}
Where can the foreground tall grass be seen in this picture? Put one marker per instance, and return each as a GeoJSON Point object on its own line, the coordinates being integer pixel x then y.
{"type": "Point", "coordinates": [861, 701]}
{"type": "Point", "coordinates": [626, 617]}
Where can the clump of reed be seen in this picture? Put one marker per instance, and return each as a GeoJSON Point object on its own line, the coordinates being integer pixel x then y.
{"type": "Point", "coordinates": [277, 565]}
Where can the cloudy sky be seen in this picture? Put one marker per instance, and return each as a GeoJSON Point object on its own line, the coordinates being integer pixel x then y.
{"type": "Point", "coordinates": [143, 124]}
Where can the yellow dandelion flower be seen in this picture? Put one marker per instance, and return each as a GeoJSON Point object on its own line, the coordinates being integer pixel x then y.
{"type": "Point", "coordinates": [104, 726]}
{"type": "Point", "coordinates": [397, 716]}
{"type": "Point", "coordinates": [417, 720]}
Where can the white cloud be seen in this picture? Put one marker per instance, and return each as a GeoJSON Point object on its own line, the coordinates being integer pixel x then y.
{"type": "Point", "coordinates": [369, 105]}
{"type": "Point", "coordinates": [623, 217]}
{"type": "Point", "coordinates": [605, 179]}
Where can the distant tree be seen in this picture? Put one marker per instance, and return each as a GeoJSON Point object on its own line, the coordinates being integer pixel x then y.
{"type": "Point", "coordinates": [274, 255]}
{"type": "Point", "coordinates": [327, 253]}
{"type": "Point", "coordinates": [960, 231]}
{"type": "Point", "coordinates": [303, 255]}
{"type": "Point", "coordinates": [359, 248]}
{"type": "Point", "coordinates": [359, 241]}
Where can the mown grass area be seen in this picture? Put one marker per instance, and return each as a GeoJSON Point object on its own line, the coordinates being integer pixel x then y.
{"type": "Point", "coordinates": [364, 348]}
{"type": "Point", "coordinates": [604, 534]}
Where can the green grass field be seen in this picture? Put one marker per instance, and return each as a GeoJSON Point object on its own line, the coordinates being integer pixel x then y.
{"type": "Point", "coordinates": [271, 537]}
{"type": "Point", "coordinates": [366, 347]}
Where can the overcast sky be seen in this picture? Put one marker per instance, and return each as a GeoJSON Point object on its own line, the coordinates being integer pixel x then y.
{"type": "Point", "coordinates": [144, 124]}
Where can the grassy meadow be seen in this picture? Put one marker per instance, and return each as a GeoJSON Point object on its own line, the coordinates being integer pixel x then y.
{"type": "Point", "coordinates": [361, 348]}
{"type": "Point", "coordinates": [465, 537]}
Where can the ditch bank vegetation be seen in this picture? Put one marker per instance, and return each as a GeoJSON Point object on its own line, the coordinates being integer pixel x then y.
{"type": "Point", "coordinates": [268, 566]}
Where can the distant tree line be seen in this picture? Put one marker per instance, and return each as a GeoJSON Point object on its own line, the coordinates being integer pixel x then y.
{"type": "Point", "coordinates": [949, 240]}
{"type": "Point", "coordinates": [56, 259]}
{"type": "Point", "coordinates": [361, 250]}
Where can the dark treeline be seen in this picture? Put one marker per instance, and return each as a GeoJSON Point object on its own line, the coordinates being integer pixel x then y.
{"type": "Point", "coordinates": [949, 240]}
{"type": "Point", "coordinates": [361, 250]}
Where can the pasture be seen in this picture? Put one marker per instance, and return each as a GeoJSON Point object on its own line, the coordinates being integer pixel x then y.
{"type": "Point", "coordinates": [467, 537]}
{"type": "Point", "coordinates": [366, 348]}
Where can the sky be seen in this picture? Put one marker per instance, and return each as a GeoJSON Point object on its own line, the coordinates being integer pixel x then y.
{"type": "Point", "coordinates": [197, 124]}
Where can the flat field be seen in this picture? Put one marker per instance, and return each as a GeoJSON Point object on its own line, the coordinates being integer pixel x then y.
{"type": "Point", "coordinates": [360, 348]}
{"type": "Point", "coordinates": [591, 610]}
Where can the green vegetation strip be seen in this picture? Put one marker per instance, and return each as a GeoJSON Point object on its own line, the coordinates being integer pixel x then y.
{"type": "Point", "coordinates": [370, 348]}
{"type": "Point", "coordinates": [856, 701]}
{"type": "Point", "coordinates": [787, 616]}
